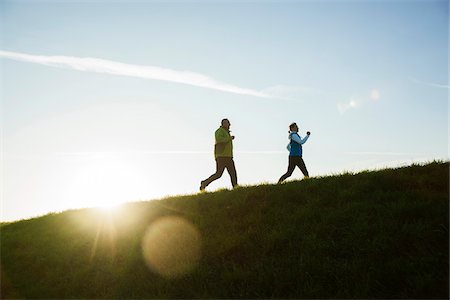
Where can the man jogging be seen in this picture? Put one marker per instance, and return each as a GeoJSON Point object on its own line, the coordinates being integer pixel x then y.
{"type": "Point", "coordinates": [295, 152]}
{"type": "Point", "coordinates": [223, 152]}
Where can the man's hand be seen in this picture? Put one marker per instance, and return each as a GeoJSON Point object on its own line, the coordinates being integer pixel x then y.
{"type": "Point", "coordinates": [308, 133]}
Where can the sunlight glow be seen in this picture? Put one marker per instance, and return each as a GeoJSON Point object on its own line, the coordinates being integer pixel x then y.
{"type": "Point", "coordinates": [110, 207]}
{"type": "Point", "coordinates": [106, 183]}
{"type": "Point", "coordinates": [106, 233]}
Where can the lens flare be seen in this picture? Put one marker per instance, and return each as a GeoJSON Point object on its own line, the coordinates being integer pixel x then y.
{"type": "Point", "coordinates": [375, 94]}
{"type": "Point", "coordinates": [171, 247]}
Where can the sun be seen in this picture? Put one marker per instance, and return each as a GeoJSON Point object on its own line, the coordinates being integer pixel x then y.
{"type": "Point", "coordinates": [106, 181]}
{"type": "Point", "coordinates": [109, 206]}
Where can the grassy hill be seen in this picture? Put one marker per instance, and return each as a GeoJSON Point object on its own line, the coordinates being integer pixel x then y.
{"type": "Point", "coordinates": [378, 234]}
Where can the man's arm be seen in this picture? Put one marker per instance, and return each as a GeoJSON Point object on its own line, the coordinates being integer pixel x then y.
{"type": "Point", "coordinates": [221, 137]}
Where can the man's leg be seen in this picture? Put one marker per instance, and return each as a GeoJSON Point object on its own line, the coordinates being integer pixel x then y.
{"type": "Point", "coordinates": [302, 166]}
{"type": "Point", "coordinates": [220, 167]}
{"type": "Point", "coordinates": [231, 168]}
{"type": "Point", "coordinates": [290, 169]}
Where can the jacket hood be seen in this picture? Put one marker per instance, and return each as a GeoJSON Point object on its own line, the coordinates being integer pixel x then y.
{"type": "Point", "coordinates": [291, 132]}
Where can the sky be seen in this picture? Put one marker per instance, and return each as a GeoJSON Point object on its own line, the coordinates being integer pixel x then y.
{"type": "Point", "coordinates": [104, 102]}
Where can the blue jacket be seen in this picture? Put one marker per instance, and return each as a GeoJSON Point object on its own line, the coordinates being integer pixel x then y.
{"type": "Point", "coordinates": [295, 144]}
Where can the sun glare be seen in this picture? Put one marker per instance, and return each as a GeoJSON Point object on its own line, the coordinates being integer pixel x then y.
{"type": "Point", "coordinates": [110, 206]}
{"type": "Point", "coordinates": [171, 246]}
{"type": "Point", "coordinates": [106, 183]}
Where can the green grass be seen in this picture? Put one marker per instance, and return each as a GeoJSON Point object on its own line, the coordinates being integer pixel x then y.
{"type": "Point", "coordinates": [378, 234]}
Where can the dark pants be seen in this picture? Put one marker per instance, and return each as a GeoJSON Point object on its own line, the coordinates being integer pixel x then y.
{"type": "Point", "coordinates": [221, 164]}
{"type": "Point", "coordinates": [293, 162]}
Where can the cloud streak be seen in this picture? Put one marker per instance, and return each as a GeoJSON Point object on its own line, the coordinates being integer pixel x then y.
{"type": "Point", "coordinates": [97, 65]}
{"type": "Point", "coordinates": [442, 86]}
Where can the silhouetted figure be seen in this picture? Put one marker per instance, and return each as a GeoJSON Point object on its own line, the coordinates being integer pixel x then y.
{"type": "Point", "coordinates": [223, 152]}
{"type": "Point", "coordinates": [295, 152]}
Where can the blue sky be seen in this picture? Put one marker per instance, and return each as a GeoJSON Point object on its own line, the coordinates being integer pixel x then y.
{"type": "Point", "coordinates": [369, 79]}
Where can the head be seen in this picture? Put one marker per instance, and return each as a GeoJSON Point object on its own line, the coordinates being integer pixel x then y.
{"type": "Point", "coordinates": [226, 123]}
{"type": "Point", "coordinates": [293, 127]}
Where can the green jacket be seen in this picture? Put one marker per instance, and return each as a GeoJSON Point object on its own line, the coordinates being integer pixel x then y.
{"type": "Point", "coordinates": [224, 143]}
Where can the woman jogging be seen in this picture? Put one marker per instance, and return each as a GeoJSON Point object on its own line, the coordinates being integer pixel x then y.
{"type": "Point", "coordinates": [295, 152]}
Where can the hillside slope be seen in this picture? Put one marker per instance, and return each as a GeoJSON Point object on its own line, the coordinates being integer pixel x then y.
{"type": "Point", "coordinates": [381, 234]}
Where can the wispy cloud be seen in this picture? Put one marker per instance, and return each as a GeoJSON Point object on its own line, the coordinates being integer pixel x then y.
{"type": "Point", "coordinates": [97, 65]}
{"type": "Point", "coordinates": [442, 86]}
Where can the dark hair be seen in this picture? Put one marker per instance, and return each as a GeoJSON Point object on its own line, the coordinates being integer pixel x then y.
{"type": "Point", "coordinates": [223, 120]}
{"type": "Point", "coordinates": [291, 127]}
